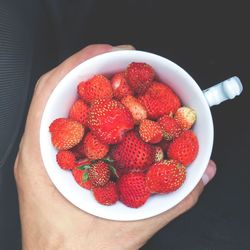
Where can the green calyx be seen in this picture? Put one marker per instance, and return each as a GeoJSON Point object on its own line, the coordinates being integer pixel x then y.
{"type": "Point", "coordinates": [85, 177]}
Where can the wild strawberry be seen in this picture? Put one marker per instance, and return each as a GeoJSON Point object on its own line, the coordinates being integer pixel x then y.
{"type": "Point", "coordinates": [137, 110]}
{"type": "Point", "coordinates": [79, 112]}
{"type": "Point", "coordinates": [165, 176]}
{"type": "Point", "coordinates": [81, 177]}
{"type": "Point", "coordinates": [99, 174]}
{"type": "Point", "coordinates": [150, 131]}
{"type": "Point", "coordinates": [93, 148]}
{"type": "Point", "coordinates": [57, 124]}
{"type": "Point", "coordinates": [120, 86]}
{"type": "Point", "coordinates": [185, 117]}
{"type": "Point", "coordinates": [98, 87]}
{"type": "Point", "coordinates": [159, 100]}
{"type": "Point", "coordinates": [170, 127]}
{"type": "Point", "coordinates": [106, 195]}
{"type": "Point", "coordinates": [140, 76]}
{"type": "Point", "coordinates": [133, 153]}
{"type": "Point", "coordinates": [133, 190]}
{"type": "Point", "coordinates": [66, 159]}
{"type": "Point", "coordinates": [159, 154]}
{"type": "Point", "coordinates": [184, 148]}
{"type": "Point", "coordinates": [109, 120]}
{"type": "Point", "coordinates": [66, 133]}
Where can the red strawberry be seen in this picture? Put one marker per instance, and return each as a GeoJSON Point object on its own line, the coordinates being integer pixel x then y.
{"type": "Point", "coordinates": [185, 117]}
{"type": "Point", "coordinates": [98, 87]}
{"type": "Point", "coordinates": [133, 190]}
{"type": "Point", "coordinates": [165, 176]}
{"type": "Point", "coordinates": [57, 124]}
{"type": "Point", "coordinates": [120, 86]}
{"type": "Point", "coordinates": [150, 131]}
{"type": "Point", "coordinates": [159, 154]}
{"type": "Point", "coordinates": [93, 148]}
{"type": "Point", "coordinates": [109, 120]}
{"type": "Point", "coordinates": [133, 153]}
{"type": "Point", "coordinates": [99, 174]}
{"type": "Point", "coordinates": [140, 76]}
{"type": "Point", "coordinates": [170, 127]}
{"type": "Point", "coordinates": [160, 100]}
{"type": "Point", "coordinates": [66, 159]}
{"type": "Point", "coordinates": [184, 148]}
{"type": "Point", "coordinates": [137, 110]}
{"type": "Point", "coordinates": [106, 195]}
{"type": "Point", "coordinates": [81, 177]}
{"type": "Point", "coordinates": [66, 133]}
{"type": "Point", "coordinates": [79, 112]}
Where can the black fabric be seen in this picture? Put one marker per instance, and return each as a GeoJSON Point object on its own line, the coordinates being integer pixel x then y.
{"type": "Point", "coordinates": [209, 40]}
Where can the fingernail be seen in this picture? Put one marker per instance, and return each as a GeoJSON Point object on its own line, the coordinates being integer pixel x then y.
{"type": "Point", "coordinates": [123, 47]}
{"type": "Point", "coordinates": [209, 173]}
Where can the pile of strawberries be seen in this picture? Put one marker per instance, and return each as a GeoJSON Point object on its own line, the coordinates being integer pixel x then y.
{"type": "Point", "coordinates": [126, 137]}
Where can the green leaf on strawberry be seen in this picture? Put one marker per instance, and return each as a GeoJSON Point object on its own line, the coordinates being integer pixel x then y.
{"type": "Point", "coordinates": [83, 167]}
{"type": "Point", "coordinates": [85, 177]}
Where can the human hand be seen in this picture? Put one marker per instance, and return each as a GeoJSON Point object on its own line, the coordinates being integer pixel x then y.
{"type": "Point", "coordinates": [48, 220]}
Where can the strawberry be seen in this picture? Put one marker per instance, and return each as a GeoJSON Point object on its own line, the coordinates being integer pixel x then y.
{"type": "Point", "coordinates": [99, 174]}
{"type": "Point", "coordinates": [79, 112]}
{"type": "Point", "coordinates": [66, 133]}
{"type": "Point", "coordinates": [150, 131]}
{"type": "Point", "coordinates": [93, 148]}
{"type": "Point", "coordinates": [159, 100]}
{"type": "Point", "coordinates": [81, 177]}
{"type": "Point", "coordinates": [66, 159]}
{"type": "Point", "coordinates": [165, 176]}
{"type": "Point", "coordinates": [137, 110]}
{"type": "Point", "coordinates": [185, 117]}
{"type": "Point", "coordinates": [133, 153]}
{"type": "Point", "coordinates": [106, 195]}
{"type": "Point", "coordinates": [120, 86]}
{"type": "Point", "coordinates": [140, 76]}
{"type": "Point", "coordinates": [159, 154]}
{"type": "Point", "coordinates": [184, 148]}
{"type": "Point", "coordinates": [98, 87]}
{"type": "Point", "coordinates": [170, 127]}
{"type": "Point", "coordinates": [133, 190]}
{"type": "Point", "coordinates": [108, 120]}
{"type": "Point", "coordinates": [57, 124]}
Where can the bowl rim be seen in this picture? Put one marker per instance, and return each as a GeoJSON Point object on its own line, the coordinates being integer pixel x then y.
{"type": "Point", "coordinates": [106, 56]}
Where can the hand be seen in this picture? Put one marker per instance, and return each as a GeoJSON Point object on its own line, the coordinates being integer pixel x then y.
{"type": "Point", "coordinates": [49, 221]}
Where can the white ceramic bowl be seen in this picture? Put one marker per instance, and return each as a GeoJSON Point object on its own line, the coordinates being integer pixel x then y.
{"type": "Point", "coordinates": [168, 72]}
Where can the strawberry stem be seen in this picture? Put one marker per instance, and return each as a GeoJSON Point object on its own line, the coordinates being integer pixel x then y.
{"type": "Point", "coordinates": [83, 167]}
{"type": "Point", "coordinates": [113, 170]}
{"type": "Point", "coordinates": [85, 177]}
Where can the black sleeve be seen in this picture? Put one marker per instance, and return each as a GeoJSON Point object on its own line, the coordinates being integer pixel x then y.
{"type": "Point", "coordinates": [27, 50]}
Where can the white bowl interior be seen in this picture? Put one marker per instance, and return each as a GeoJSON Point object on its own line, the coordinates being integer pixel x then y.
{"type": "Point", "coordinates": [65, 94]}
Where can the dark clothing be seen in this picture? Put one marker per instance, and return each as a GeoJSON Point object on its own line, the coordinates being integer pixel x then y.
{"type": "Point", "coordinates": [210, 41]}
